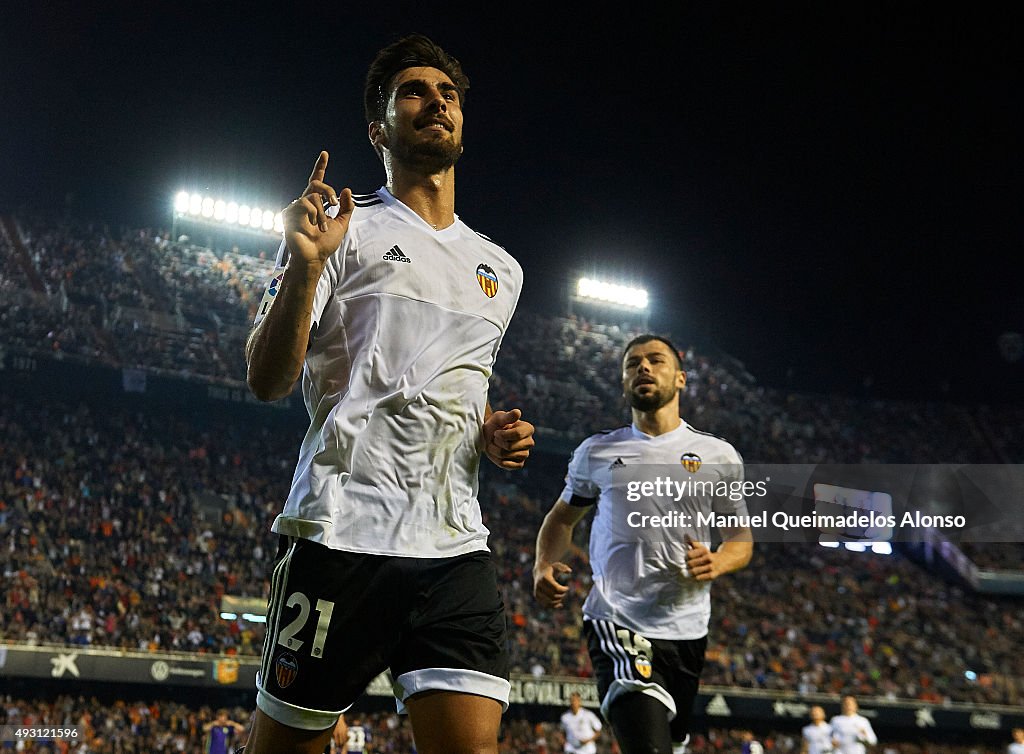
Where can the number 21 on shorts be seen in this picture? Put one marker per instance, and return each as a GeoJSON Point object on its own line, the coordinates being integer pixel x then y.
{"type": "Point", "coordinates": [324, 611]}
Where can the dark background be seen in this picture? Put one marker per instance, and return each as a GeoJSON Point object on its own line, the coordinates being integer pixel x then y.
{"type": "Point", "coordinates": [829, 193]}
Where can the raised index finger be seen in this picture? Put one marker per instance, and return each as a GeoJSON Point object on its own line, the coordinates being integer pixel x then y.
{"type": "Point", "coordinates": [320, 169]}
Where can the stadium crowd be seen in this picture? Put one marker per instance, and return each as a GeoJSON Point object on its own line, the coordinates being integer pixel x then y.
{"type": "Point", "coordinates": [166, 727]}
{"type": "Point", "coordinates": [135, 298]}
{"type": "Point", "coordinates": [125, 528]}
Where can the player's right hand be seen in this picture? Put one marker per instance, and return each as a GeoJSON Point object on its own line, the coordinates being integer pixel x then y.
{"type": "Point", "coordinates": [312, 236]}
{"type": "Point", "coordinates": [548, 591]}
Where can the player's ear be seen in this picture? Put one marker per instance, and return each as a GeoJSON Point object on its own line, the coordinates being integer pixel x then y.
{"type": "Point", "coordinates": [378, 136]}
{"type": "Point", "coordinates": [681, 379]}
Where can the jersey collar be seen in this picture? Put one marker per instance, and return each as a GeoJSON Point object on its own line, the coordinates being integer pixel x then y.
{"type": "Point", "coordinates": [445, 234]}
{"type": "Point", "coordinates": [639, 435]}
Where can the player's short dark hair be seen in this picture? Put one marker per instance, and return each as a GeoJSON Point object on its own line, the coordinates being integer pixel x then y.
{"type": "Point", "coordinates": [647, 338]}
{"type": "Point", "coordinates": [410, 51]}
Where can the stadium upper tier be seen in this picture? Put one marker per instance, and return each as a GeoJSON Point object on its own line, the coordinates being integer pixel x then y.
{"type": "Point", "coordinates": [135, 299]}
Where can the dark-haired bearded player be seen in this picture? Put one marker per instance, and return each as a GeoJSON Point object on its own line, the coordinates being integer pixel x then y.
{"type": "Point", "coordinates": [391, 310]}
{"type": "Point", "coordinates": [646, 617]}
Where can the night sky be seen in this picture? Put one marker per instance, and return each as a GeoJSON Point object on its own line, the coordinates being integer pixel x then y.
{"type": "Point", "coordinates": [826, 194]}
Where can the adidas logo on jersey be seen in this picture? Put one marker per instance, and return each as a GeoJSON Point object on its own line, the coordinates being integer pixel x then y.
{"type": "Point", "coordinates": [616, 464]}
{"type": "Point", "coordinates": [395, 255]}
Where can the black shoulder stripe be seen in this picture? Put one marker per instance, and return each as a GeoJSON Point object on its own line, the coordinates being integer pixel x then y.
{"type": "Point", "coordinates": [364, 196]}
{"type": "Point", "coordinates": [368, 203]}
{"type": "Point", "coordinates": [490, 240]}
{"type": "Point", "coordinates": [706, 434]}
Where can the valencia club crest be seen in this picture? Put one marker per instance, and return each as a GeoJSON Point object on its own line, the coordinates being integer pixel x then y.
{"type": "Point", "coordinates": [488, 280]}
{"type": "Point", "coordinates": [690, 461]}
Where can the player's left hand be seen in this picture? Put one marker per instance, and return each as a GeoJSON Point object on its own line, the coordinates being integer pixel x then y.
{"type": "Point", "coordinates": [700, 562]}
{"type": "Point", "coordinates": [508, 439]}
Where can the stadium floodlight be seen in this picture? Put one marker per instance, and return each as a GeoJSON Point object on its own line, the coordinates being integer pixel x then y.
{"type": "Point", "coordinates": [598, 291]}
{"type": "Point", "coordinates": [213, 210]}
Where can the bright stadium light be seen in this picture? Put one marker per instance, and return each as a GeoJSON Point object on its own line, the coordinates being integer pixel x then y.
{"type": "Point", "coordinates": [612, 293]}
{"type": "Point", "coordinates": [212, 210]}
{"type": "Point", "coordinates": [253, 618]}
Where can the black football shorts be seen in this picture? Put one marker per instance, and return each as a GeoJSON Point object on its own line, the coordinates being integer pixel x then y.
{"type": "Point", "coordinates": [625, 661]}
{"type": "Point", "coordinates": [337, 619]}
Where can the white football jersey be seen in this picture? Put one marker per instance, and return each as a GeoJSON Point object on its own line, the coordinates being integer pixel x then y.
{"type": "Point", "coordinates": [851, 733]}
{"type": "Point", "coordinates": [407, 321]}
{"type": "Point", "coordinates": [818, 738]}
{"type": "Point", "coordinates": [639, 567]}
{"type": "Point", "coordinates": [579, 727]}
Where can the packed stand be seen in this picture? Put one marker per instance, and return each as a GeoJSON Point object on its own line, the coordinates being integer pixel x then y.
{"type": "Point", "coordinates": [160, 726]}
{"type": "Point", "coordinates": [106, 542]}
{"type": "Point", "coordinates": [137, 299]}
{"type": "Point", "coordinates": [132, 560]}
{"type": "Point", "coordinates": [143, 300]}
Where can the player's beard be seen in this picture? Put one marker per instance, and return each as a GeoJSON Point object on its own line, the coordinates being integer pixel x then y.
{"type": "Point", "coordinates": [427, 157]}
{"type": "Point", "coordinates": [651, 401]}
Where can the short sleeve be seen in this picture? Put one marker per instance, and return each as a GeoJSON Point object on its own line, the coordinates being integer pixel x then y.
{"type": "Point", "coordinates": [580, 488]}
{"type": "Point", "coordinates": [273, 285]}
{"type": "Point", "coordinates": [324, 287]}
{"type": "Point", "coordinates": [734, 503]}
